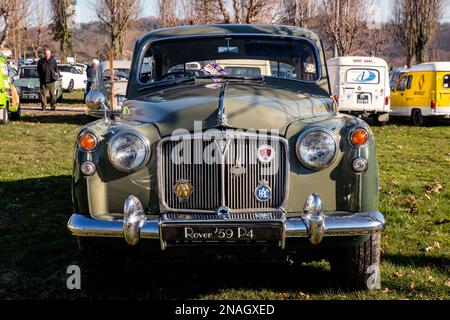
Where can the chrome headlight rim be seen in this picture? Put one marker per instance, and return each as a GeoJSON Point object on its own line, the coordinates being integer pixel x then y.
{"type": "Point", "coordinates": [304, 134]}
{"type": "Point", "coordinates": [146, 146]}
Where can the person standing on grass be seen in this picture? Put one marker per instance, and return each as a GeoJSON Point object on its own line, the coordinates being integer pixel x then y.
{"type": "Point", "coordinates": [90, 74]}
{"type": "Point", "coordinates": [47, 69]}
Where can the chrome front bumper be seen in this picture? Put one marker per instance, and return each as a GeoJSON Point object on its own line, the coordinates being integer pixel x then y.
{"type": "Point", "coordinates": [312, 224]}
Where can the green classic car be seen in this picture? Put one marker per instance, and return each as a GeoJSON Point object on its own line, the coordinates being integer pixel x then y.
{"type": "Point", "coordinates": [7, 104]}
{"type": "Point", "coordinates": [28, 85]}
{"type": "Point", "coordinates": [249, 159]}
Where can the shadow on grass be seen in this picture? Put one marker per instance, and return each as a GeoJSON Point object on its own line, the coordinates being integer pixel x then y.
{"type": "Point", "coordinates": [77, 119]}
{"type": "Point", "coordinates": [441, 263]}
{"type": "Point", "coordinates": [35, 248]}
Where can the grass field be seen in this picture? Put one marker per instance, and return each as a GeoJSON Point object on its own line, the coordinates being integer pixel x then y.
{"type": "Point", "coordinates": [35, 169]}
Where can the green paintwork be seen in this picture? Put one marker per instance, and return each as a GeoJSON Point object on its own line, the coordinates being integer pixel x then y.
{"type": "Point", "coordinates": [283, 105]}
{"type": "Point", "coordinates": [33, 83]}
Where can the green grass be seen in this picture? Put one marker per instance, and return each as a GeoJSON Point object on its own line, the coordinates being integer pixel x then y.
{"type": "Point", "coordinates": [36, 157]}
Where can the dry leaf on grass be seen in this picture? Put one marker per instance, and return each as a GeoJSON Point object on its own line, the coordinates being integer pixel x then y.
{"type": "Point", "coordinates": [447, 283]}
{"type": "Point", "coordinates": [398, 274]}
{"type": "Point", "coordinates": [394, 182]}
{"type": "Point", "coordinates": [436, 245]}
{"type": "Point", "coordinates": [411, 203]}
{"type": "Point", "coordinates": [386, 290]}
{"type": "Point", "coordinates": [435, 187]}
{"type": "Point", "coordinates": [412, 286]}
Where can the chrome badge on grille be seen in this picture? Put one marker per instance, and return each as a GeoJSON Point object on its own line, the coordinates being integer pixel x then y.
{"type": "Point", "coordinates": [266, 153]}
{"type": "Point", "coordinates": [183, 189]}
{"type": "Point", "coordinates": [263, 192]}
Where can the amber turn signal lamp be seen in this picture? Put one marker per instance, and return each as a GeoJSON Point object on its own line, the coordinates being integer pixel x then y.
{"type": "Point", "coordinates": [87, 141]}
{"type": "Point", "coordinates": [359, 137]}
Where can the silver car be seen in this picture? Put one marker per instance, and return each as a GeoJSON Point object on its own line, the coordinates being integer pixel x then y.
{"type": "Point", "coordinates": [102, 84]}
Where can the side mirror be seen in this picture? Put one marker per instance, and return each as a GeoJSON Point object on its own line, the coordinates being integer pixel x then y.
{"type": "Point", "coordinates": [95, 100]}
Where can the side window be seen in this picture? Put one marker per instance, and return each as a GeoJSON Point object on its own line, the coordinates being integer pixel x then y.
{"type": "Point", "coordinates": [410, 78]}
{"type": "Point", "coordinates": [447, 81]}
{"type": "Point", "coordinates": [402, 83]}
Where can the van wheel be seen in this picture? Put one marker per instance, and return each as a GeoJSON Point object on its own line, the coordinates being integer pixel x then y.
{"type": "Point", "coordinates": [417, 117]}
{"type": "Point", "coordinates": [4, 118]}
{"type": "Point", "coordinates": [18, 114]}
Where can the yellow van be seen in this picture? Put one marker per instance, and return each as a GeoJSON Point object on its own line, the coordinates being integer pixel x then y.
{"type": "Point", "coordinates": [424, 91]}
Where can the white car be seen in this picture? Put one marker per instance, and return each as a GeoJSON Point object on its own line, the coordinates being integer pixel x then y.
{"type": "Point", "coordinates": [72, 78]}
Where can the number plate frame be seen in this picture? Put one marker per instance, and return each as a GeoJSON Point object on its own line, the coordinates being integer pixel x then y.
{"type": "Point", "coordinates": [230, 232]}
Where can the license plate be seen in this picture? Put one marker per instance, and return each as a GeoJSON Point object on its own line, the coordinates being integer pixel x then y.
{"type": "Point", "coordinates": [362, 99]}
{"type": "Point", "coordinates": [30, 96]}
{"type": "Point", "coordinates": [222, 232]}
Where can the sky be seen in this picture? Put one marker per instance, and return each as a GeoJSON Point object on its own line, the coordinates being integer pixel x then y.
{"type": "Point", "coordinates": [85, 12]}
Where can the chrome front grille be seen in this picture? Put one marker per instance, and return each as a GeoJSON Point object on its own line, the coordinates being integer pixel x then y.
{"type": "Point", "coordinates": [223, 170]}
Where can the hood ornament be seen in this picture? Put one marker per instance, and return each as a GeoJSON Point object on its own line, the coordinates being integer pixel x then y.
{"type": "Point", "coordinates": [222, 118]}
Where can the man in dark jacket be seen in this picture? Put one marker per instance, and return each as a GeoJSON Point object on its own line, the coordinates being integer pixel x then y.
{"type": "Point", "coordinates": [48, 74]}
{"type": "Point", "coordinates": [90, 74]}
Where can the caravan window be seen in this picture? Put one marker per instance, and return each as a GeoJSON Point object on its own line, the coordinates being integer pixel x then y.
{"type": "Point", "coordinates": [447, 81]}
{"type": "Point", "coordinates": [363, 76]}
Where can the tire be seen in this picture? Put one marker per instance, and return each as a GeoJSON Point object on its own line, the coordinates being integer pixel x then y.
{"type": "Point", "coordinates": [4, 119]}
{"type": "Point", "coordinates": [417, 118]}
{"type": "Point", "coordinates": [18, 114]}
{"type": "Point", "coordinates": [98, 267]}
{"type": "Point", "coordinates": [70, 86]}
{"type": "Point", "coordinates": [358, 267]}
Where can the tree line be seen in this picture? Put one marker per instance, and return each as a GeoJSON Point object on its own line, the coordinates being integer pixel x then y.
{"type": "Point", "coordinates": [347, 26]}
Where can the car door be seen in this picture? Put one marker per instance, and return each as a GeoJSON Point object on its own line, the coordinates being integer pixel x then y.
{"type": "Point", "coordinates": [398, 96]}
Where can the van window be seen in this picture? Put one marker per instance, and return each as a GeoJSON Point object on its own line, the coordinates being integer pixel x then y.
{"type": "Point", "coordinates": [402, 83]}
{"type": "Point", "coordinates": [363, 76]}
{"type": "Point", "coordinates": [410, 78]}
{"type": "Point", "coordinates": [447, 81]}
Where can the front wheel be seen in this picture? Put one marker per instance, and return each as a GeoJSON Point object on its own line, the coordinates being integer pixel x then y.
{"type": "Point", "coordinates": [358, 267]}
{"type": "Point", "coordinates": [18, 114]}
{"type": "Point", "coordinates": [4, 115]}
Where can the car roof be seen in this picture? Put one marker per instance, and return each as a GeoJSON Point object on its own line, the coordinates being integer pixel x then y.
{"type": "Point", "coordinates": [431, 66]}
{"type": "Point", "coordinates": [121, 64]}
{"type": "Point", "coordinates": [230, 29]}
{"type": "Point", "coordinates": [358, 61]}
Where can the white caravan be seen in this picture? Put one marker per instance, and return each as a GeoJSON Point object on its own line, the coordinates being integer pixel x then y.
{"type": "Point", "coordinates": [360, 86]}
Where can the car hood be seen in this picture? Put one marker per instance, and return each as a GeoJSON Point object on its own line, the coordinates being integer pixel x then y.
{"type": "Point", "coordinates": [27, 83]}
{"type": "Point", "coordinates": [247, 105]}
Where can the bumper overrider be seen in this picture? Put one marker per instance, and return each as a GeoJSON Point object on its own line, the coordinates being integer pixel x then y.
{"type": "Point", "coordinates": [311, 224]}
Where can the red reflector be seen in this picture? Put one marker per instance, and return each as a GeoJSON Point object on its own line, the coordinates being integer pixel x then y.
{"type": "Point", "coordinates": [386, 101]}
{"type": "Point", "coordinates": [433, 104]}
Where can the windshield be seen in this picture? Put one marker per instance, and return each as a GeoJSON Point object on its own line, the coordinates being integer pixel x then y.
{"type": "Point", "coordinates": [120, 74]}
{"type": "Point", "coordinates": [29, 73]}
{"type": "Point", "coordinates": [239, 56]}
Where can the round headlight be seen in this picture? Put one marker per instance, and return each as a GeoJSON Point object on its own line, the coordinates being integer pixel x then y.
{"type": "Point", "coordinates": [128, 151]}
{"type": "Point", "coordinates": [316, 148]}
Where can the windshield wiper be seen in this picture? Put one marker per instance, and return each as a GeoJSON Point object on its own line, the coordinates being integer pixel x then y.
{"type": "Point", "coordinates": [165, 83]}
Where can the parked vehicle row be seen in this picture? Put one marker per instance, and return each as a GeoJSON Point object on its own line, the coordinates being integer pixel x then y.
{"type": "Point", "coordinates": [363, 86]}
